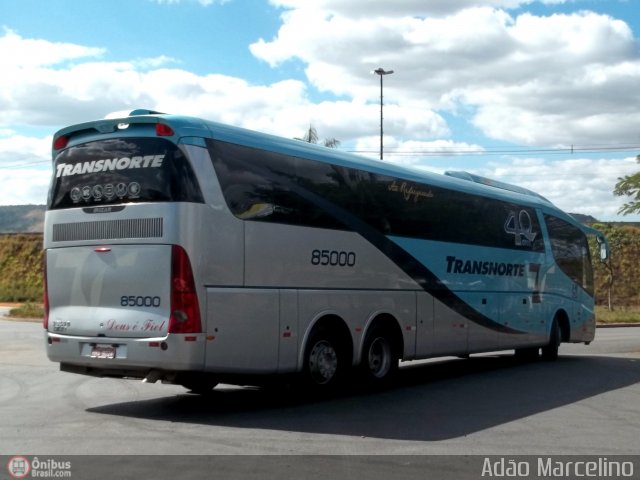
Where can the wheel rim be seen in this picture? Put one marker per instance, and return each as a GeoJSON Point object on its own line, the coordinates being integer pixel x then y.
{"type": "Point", "coordinates": [379, 358]}
{"type": "Point", "coordinates": [323, 362]}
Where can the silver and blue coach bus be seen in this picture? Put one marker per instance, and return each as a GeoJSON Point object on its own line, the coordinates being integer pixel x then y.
{"type": "Point", "coordinates": [192, 252]}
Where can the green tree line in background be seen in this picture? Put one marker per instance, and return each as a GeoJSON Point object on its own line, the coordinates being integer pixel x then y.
{"type": "Point", "coordinates": [617, 283]}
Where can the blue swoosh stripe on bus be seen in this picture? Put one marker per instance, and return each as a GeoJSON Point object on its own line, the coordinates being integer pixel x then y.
{"type": "Point", "coordinates": [424, 277]}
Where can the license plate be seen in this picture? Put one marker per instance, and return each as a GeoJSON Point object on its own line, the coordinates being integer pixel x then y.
{"type": "Point", "coordinates": [103, 351]}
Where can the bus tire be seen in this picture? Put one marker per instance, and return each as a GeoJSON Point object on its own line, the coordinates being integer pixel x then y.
{"type": "Point", "coordinates": [325, 360]}
{"type": "Point", "coordinates": [379, 363]}
{"type": "Point", "coordinates": [550, 351]}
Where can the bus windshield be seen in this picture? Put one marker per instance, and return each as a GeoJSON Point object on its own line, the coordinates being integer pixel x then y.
{"type": "Point", "coordinates": [122, 170]}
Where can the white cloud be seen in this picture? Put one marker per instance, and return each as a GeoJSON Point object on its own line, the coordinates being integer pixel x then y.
{"type": "Point", "coordinates": [399, 8]}
{"type": "Point", "coordinates": [88, 90]}
{"type": "Point", "coordinates": [27, 186]}
{"type": "Point", "coordinates": [16, 149]}
{"type": "Point", "coordinates": [151, 63]}
{"type": "Point", "coordinates": [18, 53]}
{"type": "Point", "coordinates": [538, 80]}
{"type": "Point", "coordinates": [24, 168]}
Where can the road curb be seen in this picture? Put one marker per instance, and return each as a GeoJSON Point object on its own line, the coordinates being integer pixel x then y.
{"type": "Point", "coordinates": [617, 325]}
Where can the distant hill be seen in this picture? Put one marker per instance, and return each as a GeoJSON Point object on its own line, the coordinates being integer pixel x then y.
{"type": "Point", "coordinates": [22, 218]}
{"type": "Point", "coordinates": [586, 219]}
{"type": "Point", "coordinates": [589, 220]}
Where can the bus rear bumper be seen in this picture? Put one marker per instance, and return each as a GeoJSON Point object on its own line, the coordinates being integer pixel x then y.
{"type": "Point", "coordinates": [127, 357]}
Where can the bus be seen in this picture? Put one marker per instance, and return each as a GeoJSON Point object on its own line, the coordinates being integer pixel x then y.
{"type": "Point", "coordinates": [195, 253]}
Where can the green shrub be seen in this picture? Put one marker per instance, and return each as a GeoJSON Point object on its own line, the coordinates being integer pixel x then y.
{"type": "Point", "coordinates": [21, 261]}
{"type": "Point", "coordinates": [28, 310]}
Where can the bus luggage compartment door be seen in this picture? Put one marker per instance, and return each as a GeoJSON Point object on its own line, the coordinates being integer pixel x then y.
{"type": "Point", "coordinates": [242, 330]}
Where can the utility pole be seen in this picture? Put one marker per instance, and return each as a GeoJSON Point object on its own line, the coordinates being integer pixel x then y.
{"type": "Point", "coordinates": [382, 72]}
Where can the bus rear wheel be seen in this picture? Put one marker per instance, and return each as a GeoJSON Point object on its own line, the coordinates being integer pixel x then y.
{"type": "Point", "coordinates": [379, 362]}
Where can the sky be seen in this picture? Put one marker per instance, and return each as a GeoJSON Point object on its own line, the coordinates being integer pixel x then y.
{"type": "Point", "coordinates": [544, 94]}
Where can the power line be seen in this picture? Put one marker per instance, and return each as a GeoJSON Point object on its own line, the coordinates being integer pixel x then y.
{"type": "Point", "coordinates": [483, 152]}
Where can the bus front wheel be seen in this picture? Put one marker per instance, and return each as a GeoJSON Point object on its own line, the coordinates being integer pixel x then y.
{"type": "Point", "coordinates": [550, 351]}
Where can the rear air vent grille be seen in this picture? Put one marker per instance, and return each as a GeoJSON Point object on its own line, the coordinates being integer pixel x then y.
{"type": "Point", "coordinates": [108, 230]}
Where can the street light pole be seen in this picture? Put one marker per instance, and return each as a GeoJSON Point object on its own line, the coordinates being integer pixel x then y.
{"type": "Point", "coordinates": [382, 72]}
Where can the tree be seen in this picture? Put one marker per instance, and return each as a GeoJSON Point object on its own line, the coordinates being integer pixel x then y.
{"type": "Point", "coordinates": [617, 280]}
{"type": "Point", "coordinates": [311, 136]}
{"type": "Point", "coordinates": [629, 186]}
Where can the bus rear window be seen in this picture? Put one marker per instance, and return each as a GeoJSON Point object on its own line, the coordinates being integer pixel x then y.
{"type": "Point", "coordinates": [122, 170]}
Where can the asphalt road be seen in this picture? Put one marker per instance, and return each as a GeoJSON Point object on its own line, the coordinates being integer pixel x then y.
{"type": "Point", "coordinates": [588, 402]}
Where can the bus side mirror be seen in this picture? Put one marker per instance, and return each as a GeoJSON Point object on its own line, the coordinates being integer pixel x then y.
{"type": "Point", "coordinates": [604, 248]}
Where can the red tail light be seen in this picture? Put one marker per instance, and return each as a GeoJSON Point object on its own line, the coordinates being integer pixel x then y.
{"type": "Point", "coordinates": [45, 294]}
{"type": "Point", "coordinates": [163, 130]}
{"type": "Point", "coordinates": [185, 312]}
{"type": "Point", "coordinates": [60, 142]}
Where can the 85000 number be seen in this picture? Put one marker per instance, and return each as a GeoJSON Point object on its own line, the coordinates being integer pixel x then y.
{"type": "Point", "coordinates": [333, 258]}
{"type": "Point", "coordinates": [139, 301]}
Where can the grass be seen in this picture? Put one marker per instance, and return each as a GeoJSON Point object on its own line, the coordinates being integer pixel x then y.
{"type": "Point", "coordinates": [21, 261]}
{"type": "Point", "coordinates": [27, 311]}
{"type": "Point", "coordinates": [618, 315]}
